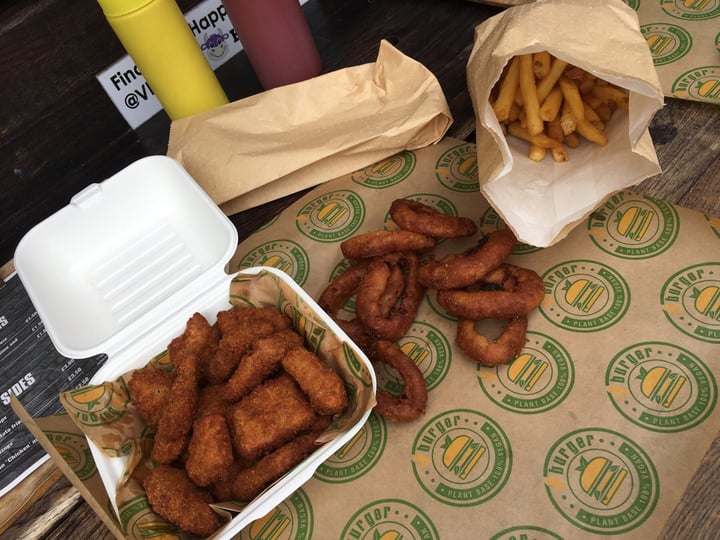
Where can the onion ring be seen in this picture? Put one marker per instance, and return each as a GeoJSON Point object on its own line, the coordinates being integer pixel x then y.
{"type": "Point", "coordinates": [375, 243]}
{"type": "Point", "coordinates": [523, 291]}
{"type": "Point", "coordinates": [342, 287]}
{"type": "Point", "coordinates": [411, 404]}
{"type": "Point", "coordinates": [492, 352]}
{"type": "Point", "coordinates": [460, 270]}
{"type": "Point", "coordinates": [389, 324]}
{"type": "Point", "coordinates": [421, 218]}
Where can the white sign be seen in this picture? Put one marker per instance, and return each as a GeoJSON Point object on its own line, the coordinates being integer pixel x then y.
{"type": "Point", "coordinates": [129, 90]}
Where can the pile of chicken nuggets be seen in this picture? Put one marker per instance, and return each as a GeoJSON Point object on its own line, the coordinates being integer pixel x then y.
{"type": "Point", "coordinates": [245, 403]}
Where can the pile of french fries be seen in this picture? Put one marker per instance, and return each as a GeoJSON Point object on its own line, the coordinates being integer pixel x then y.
{"type": "Point", "coordinates": [549, 103]}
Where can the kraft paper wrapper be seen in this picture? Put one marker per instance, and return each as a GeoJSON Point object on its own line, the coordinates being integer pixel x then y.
{"type": "Point", "coordinates": [619, 304]}
{"type": "Point", "coordinates": [290, 138]}
{"type": "Point", "coordinates": [124, 434]}
{"type": "Point", "coordinates": [542, 201]}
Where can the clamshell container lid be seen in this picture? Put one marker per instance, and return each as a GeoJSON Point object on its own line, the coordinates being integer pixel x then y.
{"type": "Point", "coordinates": [123, 256]}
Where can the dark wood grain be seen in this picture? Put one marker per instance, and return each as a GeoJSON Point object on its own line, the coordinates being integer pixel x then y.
{"type": "Point", "coordinates": [59, 132]}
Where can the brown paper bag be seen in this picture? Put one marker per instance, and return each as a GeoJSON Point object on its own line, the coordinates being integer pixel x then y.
{"type": "Point", "coordinates": [290, 138]}
{"type": "Point", "coordinates": [542, 201]}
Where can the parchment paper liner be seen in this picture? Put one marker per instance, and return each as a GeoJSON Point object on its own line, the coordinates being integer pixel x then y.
{"type": "Point", "coordinates": [125, 434]}
{"type": "Point", "coordinates": [542, 202]}
{"type": "Point", "coordinates": [290, 138]}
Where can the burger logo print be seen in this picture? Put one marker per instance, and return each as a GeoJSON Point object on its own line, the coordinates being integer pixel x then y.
{"type": "Point", "coordinates": [357, 456]}
{"type": "Point", "coordinates": [331, 217]}
{"type": "Point", "coordinates": [387, 172]}
{"type": "Point", "coordinates": [74, 451]}
{"type": "Point", "coordinates": [285, 255]}
{"type": "Point", "coordinates": [457, 168]}
{"type": "Point", "coordinates": [461, 458]}
{"type": "Point", "coordinates": [690, 300]}
{"type": "Point", "coordinates": [630, 226]}
{"type": "Point", "coordinates": [523, 532]}
{"type": "Point", "coordinates": [390, 519]}
{"type": "Point", "coordinates": [291, 519]}
{"type": "Point", "coordinates": [601, 481]}
{"type": "Point", "coordinates": [661, 387]}
{"type": "Point", "coordinates": [537, 380]}
{"type": "Point", "coordinates": [667, 42]}
{"type": "Point", "coordinates": [584, 296]}
{"type": "Point", "coordinates": [701, 83]}
{"type": "Point", "coordinates": [96, 405]}
{"type": "Point", "coordinates": [691, 10]}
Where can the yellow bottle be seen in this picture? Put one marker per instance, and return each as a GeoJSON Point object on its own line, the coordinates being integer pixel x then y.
{"type": "Point", "coordinates": [158, 39]}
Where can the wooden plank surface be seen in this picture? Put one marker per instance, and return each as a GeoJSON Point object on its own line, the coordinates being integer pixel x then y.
{"type": "Point", "coordinates": [61, 133]}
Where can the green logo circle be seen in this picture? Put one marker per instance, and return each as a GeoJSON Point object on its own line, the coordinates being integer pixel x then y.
{"type": "Point", "coordinates": [601, 481]}
{"type": "Point", "coordinates": [292, 519]}
{"type": "Point", "coordinates": [390, 519]}
{"type": "Point", "coordinates": [526, 532]}
{"type": "Point", "coordinates": [700, 83]}
{"type": "Point", "coordinates": [283, 254]}
{"type": "Point", "coordinates": [331, 217]}
{"type": "Point", "coordinates": [96, 405]}
{"type": "Point", "coordinates": [584, 296]}
{"type": "Point", "coordinates": [690, 300]}
{"type": "Point", "coordinates": [139, 521]}
{"type": "Point", "coordinates": [667, 42]}
{"type": "Point", "coordinates": [490, 221]}
{"type": "Point", "coordinates": [357, 456]}
{"type": "Point", "coordinates": [461, 458]}
{"type": "Point", "coordinates": [74, 451]}
{"type": "Point", "coordinates": [691, 10]}
{"type": "Point", "coordinates": [537, 380]}
{"type": "Point", "coordinates": [631, 226]}
{"type": "Point", "coordinates": [661, 387]}
{"type": "Point", "coordinates": [386, 172]}
{"type": "Point", "coordinates": [428, 347]}
{"type": "Point", "coordinates": [457, 168]}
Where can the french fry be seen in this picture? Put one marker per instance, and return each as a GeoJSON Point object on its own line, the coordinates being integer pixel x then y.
{"type": "Point", "coordinates": [611, 94]}
{"type": "Point", "coordinates": [572, 97]}
{"type": "Point", "coordinates": [537, 153]}
{"type": "Point", "coordinates": [559, 154]}
{"type": "Point", "coordinates": [506, 95]}
{"type": "Point", "coordinates": [591, 133]}
{"type": "Point", "coordinates": [592, 117]}
{"type": "Point", "coordinates": [554, 130]}
{"type": "Point", "coordinates": [568, 122]}
{"type": "Point", "coordinates": [529, 92]}
{"type": "Point", "coordinates": [571, 140]}
{"type": "Point", "coordinates": [551, 106]}
{"type": "Point", "coordinates": [545, 85]}
{"type": "Point", "coordinates": [541, 64]}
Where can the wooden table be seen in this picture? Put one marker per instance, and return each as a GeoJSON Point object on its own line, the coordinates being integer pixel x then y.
{"type": "Point", "coordinates": [59, 132]}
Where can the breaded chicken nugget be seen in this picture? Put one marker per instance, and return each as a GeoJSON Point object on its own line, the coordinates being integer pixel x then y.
{"type": "Point", "coordinates": [323, 386]}
{"type": "Point", "coordinates": [210, 452]}
{"type": "Point", "coordinates": [199, 339]}
{"type": "Point", "coordinates": [212, 399]}
{"type": "Point", "coordinates": [261, 362]}
{"type": "Point", "coordinates": [247, 483]}
{"type": "Point", "coordinates": [268, 417]}
{"type": "Point", "coordinates": [233, 345]}
{"type": "Point", "coordinates": [173, 496]}
{"type": "Point", "coordinates": [149, 391]}
{"type": "Point", "coordinates": [176, 420]}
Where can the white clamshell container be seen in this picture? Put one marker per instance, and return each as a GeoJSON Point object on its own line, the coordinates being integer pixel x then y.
{"type": "Point", "coordinates": [122, 268]}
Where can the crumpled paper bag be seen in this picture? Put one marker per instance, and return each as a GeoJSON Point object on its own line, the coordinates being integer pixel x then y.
{"type": "Point", "coordinates": [542, 201]}
{"type": "Point", "coordinates": [294, 137]}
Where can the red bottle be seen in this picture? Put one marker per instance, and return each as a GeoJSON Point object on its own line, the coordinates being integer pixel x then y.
{"type": "Point", "coordinates": [276, 38]}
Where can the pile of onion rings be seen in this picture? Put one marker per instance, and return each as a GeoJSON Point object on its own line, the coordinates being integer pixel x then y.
{"type": "Point", "coordinates": [478, 284]}
{"type": "Point", "coordinates": [388, 280]}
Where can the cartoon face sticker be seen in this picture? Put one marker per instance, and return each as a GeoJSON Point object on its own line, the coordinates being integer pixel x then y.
{"type": "Point", "coordinates": [215, 45]}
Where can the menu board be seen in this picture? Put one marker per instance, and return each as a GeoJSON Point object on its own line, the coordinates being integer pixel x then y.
{"type": "Point", "coordinates": [33, 371]}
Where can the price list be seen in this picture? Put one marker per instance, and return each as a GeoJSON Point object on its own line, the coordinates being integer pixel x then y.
{"type": "Point", "coordinates": [36, 373]}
